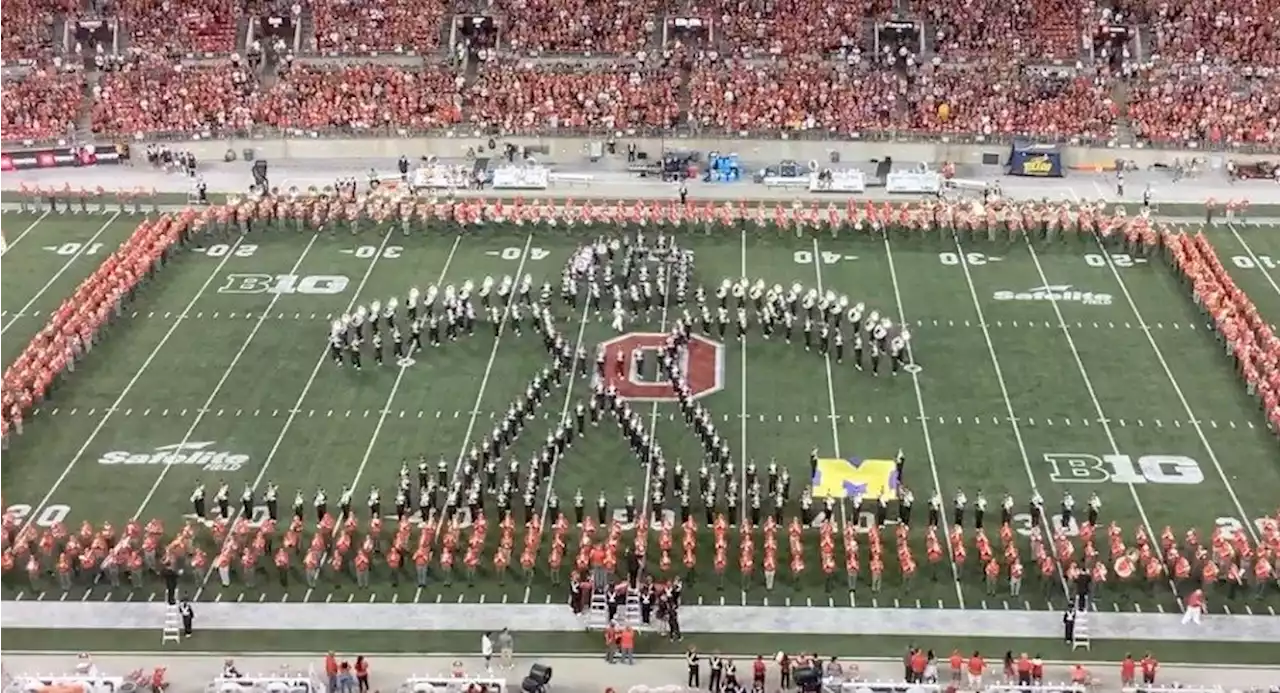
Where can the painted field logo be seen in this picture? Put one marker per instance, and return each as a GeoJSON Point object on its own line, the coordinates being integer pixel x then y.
{"type": "Point", "coordinates": [198, 454]}
{"type": "Point", "coordinates": [1056, 292]}
{"type": "Point", "coordinates": [703, 367]}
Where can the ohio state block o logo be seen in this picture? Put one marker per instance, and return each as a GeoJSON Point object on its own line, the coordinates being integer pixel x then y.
{"type": "Point", "coordinates": [703, 367]}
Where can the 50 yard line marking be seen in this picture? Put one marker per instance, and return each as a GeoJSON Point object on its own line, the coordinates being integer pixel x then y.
{"type": "Point", "coordinates": [1245, 518]}
{"type": "Point", "coordinates": [93, 435]}
{"type": "Point", "coordinates": [204, 409]}
{"type": "Point", "coordinates": [564, 416]}
{"type": "Point", "coordinates": [1008, 403]}
{"type": "Point", "coordinates": [653, 413]}
{"type": "Point", "coordinates": [831, 393]}
{"type": "Point", "coordinates": [297, 405]}
{"type": "Point", "coordinates": [924, 419]}
{"type": "Point", "coordinates": [81, 252]}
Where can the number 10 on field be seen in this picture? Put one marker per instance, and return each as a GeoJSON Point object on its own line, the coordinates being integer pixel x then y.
{"type": "Point", "coordinates": [1083, 468]}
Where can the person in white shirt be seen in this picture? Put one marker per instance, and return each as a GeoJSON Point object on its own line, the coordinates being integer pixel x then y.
{"type": "Point", "coordinates": [486, 651]}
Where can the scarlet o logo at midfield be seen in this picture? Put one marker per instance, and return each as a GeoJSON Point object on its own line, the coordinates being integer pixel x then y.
{"type": "Point", "coordinates": [702, 367]}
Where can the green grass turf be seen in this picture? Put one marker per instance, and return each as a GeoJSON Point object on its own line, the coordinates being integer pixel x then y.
{"type": "Point", "coordinates": [350, 428]}
{"type": "Point", "coordinates": [441, 642]}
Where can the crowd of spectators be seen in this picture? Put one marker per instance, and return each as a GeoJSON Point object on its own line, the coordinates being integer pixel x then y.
{"type": "Point", "coordinates": [1042, 30]}
{"type": "Point", "coordinates": [1220, 32]}
{"type": "Point", "coordinates": [28, 27]}
{"type": "Point", "coordinates": [540, 27]}
{"type": "Point", "coordinates": [787, 28]}
{"type": "Point", "coordinates": [360, 98]}
{"type": "Point", "coordinates": [179, 27]}
{"type": "Point", "coordinates": [522, 98]}
{"type": "Point", "coordinates": [795, 97]}
{"type": "Point", "coordinates": [40, 105]}
{"type": "Point", "coordinates": [171, 98]}
{"type": "Point", "coordinates": [989, 100]}
{"type": "Point", "coordinates": [1176, 108]}
{"type": "Point", "coordinates": [378, 26]}
{"type": "Point", "coordinates": [787, 65]}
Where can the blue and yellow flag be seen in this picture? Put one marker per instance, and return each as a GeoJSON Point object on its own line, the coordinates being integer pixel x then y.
{"type": "Point", "coordinates": [836, 478]}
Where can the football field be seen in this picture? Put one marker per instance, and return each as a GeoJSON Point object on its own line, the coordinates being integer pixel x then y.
{"type": "Point", "coordinates": [1118, 388]}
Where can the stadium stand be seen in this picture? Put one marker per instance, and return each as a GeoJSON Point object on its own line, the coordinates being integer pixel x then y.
{"type": "Point", "coordinates": [1132, 71]}
{"type": "Point", "coordinates": [378, 26]}
{"type": "Point", "coordinates": [520, 98]}
{"type": "Point", "coordinates": [40, 105]}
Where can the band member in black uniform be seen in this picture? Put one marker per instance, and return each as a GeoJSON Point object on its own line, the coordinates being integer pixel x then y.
{"type": "Point", "coordinates": [197, 501]}
{"type": "Point", "coordinates": [806, 508]}
{"type": "Point", "coordinates": [839, 340]}
{"type": "Point", "coordinates": [906, 499]}
{"type": "Point", "coordinates": [1006, 510]}
{"type": "Point", "coordinates": [629, 505]}
{"type": "Point", "coordinates": [402, 504]}
{"type": "Point", "coordinates": [731, 501]}
{"type": "Point", "coordinates": [1035, 508]}
{"type": "Point", "coordinates": [685, 511]}
{"type": "Point", "coordinates": [646, 605]}
{"type": "Point", "coordinates": [222, 499]}
{"type": "Point", "coordinates": [716, 679]}
{"type": "Point", "coordinates": [779, 504]}
{"type": "Point", "coordinates": [375, 502]}
{"type": "Point", "coordinates": [397, 343]}
{"type": "Point", "coordinates": [808, 334]}
{"type": "Point", "coordinates": [882, 510]}
{"type": "Point", "coordinates": [813, 462]}
{"type": "Point", "coordinates": [602, 510]}
{"type": "Point", "coordinates": [957, 509]}
{"type": "Point", "coordinates": [935, 509]}
{"type": "Point", "coordinates": [415, 334]}
{"type": "Point", "coordinates": [353, 352]}
{"type": "Point", "coordinates": [246, 502]}
{"type": "Point", "coordinates": [579, 508]}
{"type": "Point", "coordinates": [755, 508]}
{"type": "Point", "coordinates": [709, 506]}
{"type": "Point", "coordinates": [299, 504]}
{"type": "Point", "coordinates": [426, 503]}
{"type": "Point", "coordinates": [375, 343]}
{"type": "Point", "coordinates": [321, 503]}
{"type": "Point", "coordinates": [269, 497]}
{"type": "Point", "coordinates": [344, 504]}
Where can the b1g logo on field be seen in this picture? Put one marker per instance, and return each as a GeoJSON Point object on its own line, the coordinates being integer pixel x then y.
{"type": "Point", "coordinates": [314, 284]}
{"type": "Point", "coordinates": [1078, 468]}
{"type": "Point", "coordinates": [702, 366]}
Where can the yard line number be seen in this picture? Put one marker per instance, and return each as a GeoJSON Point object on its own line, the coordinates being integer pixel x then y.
{"type": "Point", "coordinates": [514, 253]}
{"type": "Point", "coordinates": [1120, 260]}
{"type": "Point", "coordinates": [74, 248]}
{"type": "Point", "coordinates": [805, 257]}
{"type": "Point", "coordinates": [391, 252]}
{"type": "Point", "coordinates": [48, 517]}
{"type": "Point", "coordinates": [951, 259]}
{"type": "Point", "coordinates": [221, 249]}
{"type": "Point", "coordinates": [1241, 261]}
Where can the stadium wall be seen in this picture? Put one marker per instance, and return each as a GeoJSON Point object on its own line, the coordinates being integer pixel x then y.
{"type": "Point", "coordinates": [566, 149]}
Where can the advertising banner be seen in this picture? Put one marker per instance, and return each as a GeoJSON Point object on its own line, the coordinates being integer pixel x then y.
{"type": "Point", "coordinates": [60, 157]}
{"type": "Point", "coordinates": [1035, 160]}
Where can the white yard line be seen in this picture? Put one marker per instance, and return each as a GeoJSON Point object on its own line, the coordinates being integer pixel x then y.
{"type": "Point", "coordinates": [1252, 256]}
{"type": "Point", "coordinates": [226, 374]}
{"type": "Point", "coordinates": [1093, 395]}
{"type": "Point", "coordinates": [62, 270]}
{"type": "Point", "coordinates": [132, 382]}
{"type": "Point", "coordinates": [924, 419]}
{"type": "Point", "coordinates": [831, 396]}
{"type": "Point", "coordinates": [10, 245]}
{"type": "Point", "coordinates": [488, 367]}
{"type": "Point", "coordinates": [306, 388]}
{"type": "Point", "coordinates": [1245, 518]}
{"type": "Point", "coordinates": [564, 416]}
{"type": "Point", "coordinates": [742, 415]}
{"type": "Point", "coordinates": [395, 387]}
{"type": "Point", "coordinates": [1008, 403]}
{"type": "Point", "coordinates": [653, 413]}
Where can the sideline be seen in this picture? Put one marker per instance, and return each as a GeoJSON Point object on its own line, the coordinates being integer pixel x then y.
{"type": "Point", "coordinates": [531, 618]}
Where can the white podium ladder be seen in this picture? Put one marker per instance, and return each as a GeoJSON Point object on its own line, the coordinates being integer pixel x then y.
{"type": "Point", "coordinates": [598, 612]}
{"type": "Point", "coordinates": [631, 611]}
{"type": "Point", "coordinates": [172, 631]}
{"type": "Point", "coordinates": [1080, 634]}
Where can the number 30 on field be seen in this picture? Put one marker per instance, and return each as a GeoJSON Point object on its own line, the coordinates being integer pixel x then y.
{"type": "Point", "coordinates": [49, 516]}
